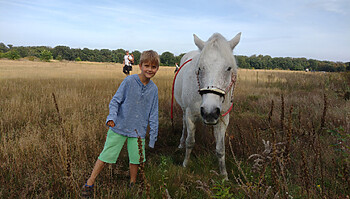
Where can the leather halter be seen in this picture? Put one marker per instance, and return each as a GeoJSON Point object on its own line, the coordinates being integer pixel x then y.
{"type": "Point", "coordinates": [215, 90]}
{"type": "Point", "coordinates": [219, 91]}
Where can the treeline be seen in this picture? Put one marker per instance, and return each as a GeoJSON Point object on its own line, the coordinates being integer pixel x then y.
{"type": "Point", "coordinates": [167, 58]}
{"type": "Point", "coordinates": [76, 54]}
{"type": "Point", "coordinates": [288, 63]}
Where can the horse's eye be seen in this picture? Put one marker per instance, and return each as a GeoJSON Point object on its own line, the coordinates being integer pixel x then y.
{"type": "Point", "coordinates": [229, 68]}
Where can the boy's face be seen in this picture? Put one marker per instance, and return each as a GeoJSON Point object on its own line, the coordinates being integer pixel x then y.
{"type": "Point", "coordinates": [148, 69]}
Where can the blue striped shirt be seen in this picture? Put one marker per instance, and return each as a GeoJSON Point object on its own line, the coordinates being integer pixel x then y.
{"type": "Point", "coordinates": [133, 107]}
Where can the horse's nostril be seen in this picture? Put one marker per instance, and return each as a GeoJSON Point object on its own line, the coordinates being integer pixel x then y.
{"type": "Point", "coordinates": [217, 111]}
{"type": "Point", "coordinates": [202, 111]}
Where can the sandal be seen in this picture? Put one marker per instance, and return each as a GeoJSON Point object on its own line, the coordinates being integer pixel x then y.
{"type": "Point", "coordinates": [87, 191]}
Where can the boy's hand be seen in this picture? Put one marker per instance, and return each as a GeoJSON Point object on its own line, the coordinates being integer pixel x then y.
{"type": "Point", "coordinates": [110, 123]}
{"type": "Point", "coordinates": [151, 150]}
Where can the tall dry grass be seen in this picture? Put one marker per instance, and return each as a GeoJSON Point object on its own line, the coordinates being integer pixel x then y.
{"type": "Point", "coordinates": [52, 130]}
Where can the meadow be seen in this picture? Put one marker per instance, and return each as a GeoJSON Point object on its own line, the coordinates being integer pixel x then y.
{"type": "Point", "coordinates": [288, 136]}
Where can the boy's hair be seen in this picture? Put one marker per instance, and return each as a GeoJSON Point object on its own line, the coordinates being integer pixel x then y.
{"type": "Point", "coordinates": [150, 56]}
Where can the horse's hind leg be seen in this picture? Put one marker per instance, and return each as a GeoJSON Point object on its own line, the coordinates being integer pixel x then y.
{"type": "Point", "coordinates": [184, 130]}
{"type": "Point", "coordinates": [190, 140]}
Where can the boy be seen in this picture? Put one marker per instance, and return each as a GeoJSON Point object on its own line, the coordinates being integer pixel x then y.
{"type": "Point", "coordinates": [133, 107]}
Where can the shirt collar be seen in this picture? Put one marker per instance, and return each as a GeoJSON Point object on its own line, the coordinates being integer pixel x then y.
{"type": "Point", "coordinates": [138, 80]}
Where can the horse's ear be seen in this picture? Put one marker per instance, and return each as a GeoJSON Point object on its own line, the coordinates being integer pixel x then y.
{"type": "Point", "coordinates": [199, 43]}
{"type": "Point", "coordinates": [233, 42]}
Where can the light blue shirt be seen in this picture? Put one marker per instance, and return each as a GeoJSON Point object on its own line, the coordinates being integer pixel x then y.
{"type": "Point", "coordinates": [133, 107]}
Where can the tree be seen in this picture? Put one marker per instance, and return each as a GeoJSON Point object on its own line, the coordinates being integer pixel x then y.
{"type": "Point", "coordinates": [254, 62]}
{"type": "Point", "coordinates": [137, 55]}
{"type": "Point", "coordinates": [106, 55]}
{"type": "Point", "coordinates": [46, 56]}
{"type": "Point", "coordinates": [242, 62]}
{"type": "Point", "coordinates": [178, 58]}
{"type": "Point", "coordinates": [120, 57]}
{"type": "Point", "coordinates": [167, 59]}
{"type": "Point", "coordinates": [313, 64]}
{"type": "Point", "coordinates": [3, 48]}
{"type": "Point", "coordinates": [64, 51]}
{"type": "Point", "coordinates": [23, 52]}
{"type": "Point", "coordinates": [96, 55]}
{"type": "Point", "coordinates": [347, 64]}
{"type": "Point", "coordinates": [75, 53]}
{"type": "Point", "coordinates": [87, 55]}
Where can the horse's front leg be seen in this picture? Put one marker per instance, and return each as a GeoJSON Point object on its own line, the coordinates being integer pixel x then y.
{"type": "Point", "coordinates": [219, 133]}
{"type": "Point", "coordinates": [190, 140]}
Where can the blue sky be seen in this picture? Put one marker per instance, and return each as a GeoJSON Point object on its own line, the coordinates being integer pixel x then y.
{"type": "Point", "coordinates": [317, 29]}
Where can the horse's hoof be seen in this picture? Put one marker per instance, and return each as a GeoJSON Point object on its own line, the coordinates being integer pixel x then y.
{"type": "Point", "coordinates": [225, 176]}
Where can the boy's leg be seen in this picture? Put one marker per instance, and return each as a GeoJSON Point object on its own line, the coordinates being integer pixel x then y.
{"type": "Point", "coordinates": [113, 145]}
{"type": "Point", "coordinates": [133, 172]}
{"type": "Point", "coordinates": [134, 157]}
{"type": "Point", "coordinates": [97, 169]}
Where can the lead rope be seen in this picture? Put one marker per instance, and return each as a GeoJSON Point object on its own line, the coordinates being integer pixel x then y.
{"type": "Point", "coordinates": [232, 87]}
{"type": "Point", "coordinates": [172, 91]}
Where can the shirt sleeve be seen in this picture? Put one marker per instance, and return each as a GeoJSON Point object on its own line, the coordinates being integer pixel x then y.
{"type": "Point", "coordinates": [116, 101]}
{"type": "Point", "coordinates": [153, 121]}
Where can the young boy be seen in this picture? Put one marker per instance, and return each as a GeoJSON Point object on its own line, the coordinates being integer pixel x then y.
{"type": "Point", "coordinates": [133, 107]}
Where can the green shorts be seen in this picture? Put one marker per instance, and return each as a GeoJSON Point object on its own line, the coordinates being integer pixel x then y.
{"type": "Point", "coordinates": [114, 144]}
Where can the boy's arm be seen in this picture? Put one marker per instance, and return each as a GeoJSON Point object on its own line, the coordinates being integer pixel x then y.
{"type": "Point", "coordinates": [117, 99]}
{"type": "Point", "coordinates": [153, 122]}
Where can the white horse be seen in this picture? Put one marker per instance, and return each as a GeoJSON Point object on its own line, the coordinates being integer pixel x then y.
{"type": "Point", "coordinates": [204, 90]}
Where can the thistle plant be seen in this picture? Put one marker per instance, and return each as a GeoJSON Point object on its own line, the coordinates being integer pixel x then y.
{"type": "Point", "coordinates": [144, 183]}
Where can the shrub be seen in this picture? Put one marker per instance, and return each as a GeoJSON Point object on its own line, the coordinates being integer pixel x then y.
{"type": "Point", "coordinates": [45, 55]}
{"type": "Point", "coordinates": [59, 58]}
{"type": "Point", "coordinates": [12, 54]}
{"type": "Point", "coordinates": [32, 58]}
{"type": "Point", "coordinates": [77, 59]}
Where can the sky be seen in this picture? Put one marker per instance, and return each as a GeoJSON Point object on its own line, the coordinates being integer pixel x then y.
{"type": "Point", "coordinates": [314, 29]}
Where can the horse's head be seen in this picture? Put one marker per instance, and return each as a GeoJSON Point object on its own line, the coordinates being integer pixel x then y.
{"type": "Point", "coordinates": [217, 70]}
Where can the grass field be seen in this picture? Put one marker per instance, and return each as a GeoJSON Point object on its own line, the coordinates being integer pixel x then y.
{"type": "Point", "coordinates": [52, 130]}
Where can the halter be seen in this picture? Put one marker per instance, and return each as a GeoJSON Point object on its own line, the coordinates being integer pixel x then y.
{"type": "Point", "coordinates": [218, 91]}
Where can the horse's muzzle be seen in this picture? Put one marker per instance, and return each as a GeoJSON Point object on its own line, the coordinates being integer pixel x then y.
{"type": "Point", "coordinates": [210, 117]}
